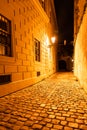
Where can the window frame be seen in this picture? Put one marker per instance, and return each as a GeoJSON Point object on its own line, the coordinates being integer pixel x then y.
{"type": "Point", "coordinates": [5, 36]}
{"type": "Point", "coordinates": [37, 50]}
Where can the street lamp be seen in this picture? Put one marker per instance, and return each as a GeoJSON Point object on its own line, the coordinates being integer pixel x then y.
{"type": "Point", "coordinates": [53, 39]}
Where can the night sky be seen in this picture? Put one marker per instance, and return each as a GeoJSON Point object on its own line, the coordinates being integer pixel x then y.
{"type": "Point", "coordinates": [64, 13]}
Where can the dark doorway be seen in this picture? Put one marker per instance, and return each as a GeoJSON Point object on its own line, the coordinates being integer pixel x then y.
{"type": "Point", "coordinates": [62, 65]}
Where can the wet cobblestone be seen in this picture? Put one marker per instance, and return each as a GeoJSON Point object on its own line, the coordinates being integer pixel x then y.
{"type": "Point", "coordinates": [56, 103]}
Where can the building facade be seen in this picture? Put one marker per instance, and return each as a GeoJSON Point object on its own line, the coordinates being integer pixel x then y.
{"type": "Point", "coordinates": [80, 41]}
{"type": "Point", "coordinates": [26, 28]}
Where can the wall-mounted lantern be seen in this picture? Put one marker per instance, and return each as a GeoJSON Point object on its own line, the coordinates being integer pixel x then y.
{"type": "Point", "coordinates": [53, 40]}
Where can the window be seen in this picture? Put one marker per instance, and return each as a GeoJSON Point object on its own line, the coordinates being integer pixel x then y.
{"type": "Point", "coordinates": [42, 2]}
{"type": "Point", "coordinates": [5, 36]}
{"type": "Point", "coordinates": [5, 79]}
{"type": "Point", "coordinates": [37, 50]}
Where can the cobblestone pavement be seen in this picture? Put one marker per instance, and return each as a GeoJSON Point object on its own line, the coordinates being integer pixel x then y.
{"type": "Point", "coordinates": [56, 103]}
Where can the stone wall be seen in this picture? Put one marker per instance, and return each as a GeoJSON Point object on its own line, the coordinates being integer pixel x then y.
{"type": "Point", "coordinates": [80, 57]}
{"type": "Point", "coordinates": [29, 21]}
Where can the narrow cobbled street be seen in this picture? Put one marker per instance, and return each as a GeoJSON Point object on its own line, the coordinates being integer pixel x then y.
{"type": "Point", "coordinates": [56, 103]}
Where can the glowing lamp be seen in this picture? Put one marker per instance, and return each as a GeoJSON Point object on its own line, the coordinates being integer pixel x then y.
{"type": "Point", "coordinates": [53, 39]}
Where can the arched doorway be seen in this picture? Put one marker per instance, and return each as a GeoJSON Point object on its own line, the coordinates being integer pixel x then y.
{"type": "Point", "coordinates": [62, 65]}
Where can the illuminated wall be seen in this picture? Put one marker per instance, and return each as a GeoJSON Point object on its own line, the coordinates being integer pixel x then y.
{"type": "Point", "coordinates": [80, 57]}
{"type": "Point", "coordinates": [27, 60]}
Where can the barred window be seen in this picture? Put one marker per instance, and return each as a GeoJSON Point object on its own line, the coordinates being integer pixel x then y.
{"type": "Point", "coordinates": [5, 36]}
{"type": "Point", "coordinates": [37, 50]}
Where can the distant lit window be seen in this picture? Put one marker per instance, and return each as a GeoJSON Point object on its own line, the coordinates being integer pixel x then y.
{"type": "Point", "coordinates": [37, 50]}
{"type": "Point", "coordinates": [5, 36]}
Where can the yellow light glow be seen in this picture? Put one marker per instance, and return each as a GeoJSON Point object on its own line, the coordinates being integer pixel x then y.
{"type": "Point", "coordinates": [46, 40]}
{"type": "Point", "coordinates": [53, 39]}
